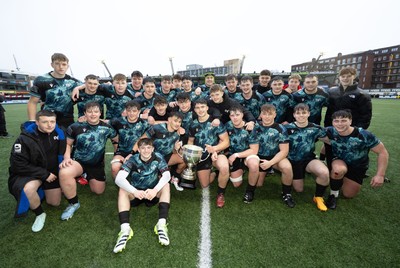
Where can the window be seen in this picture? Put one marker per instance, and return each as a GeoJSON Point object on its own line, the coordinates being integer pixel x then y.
{"type": "Point", "coordinates": [384, 58]}
{"type": "Point", "coordinates": [397, 56]}
{"type": "Point", "coordinates": [380, 58]}
{"type": "Point", "coordinates": [394, 49]}
{"type": "Point", "coordinates": [359, 58]}
{"type": "Point", "coordinates": [354, 59]}
{"type": "Point", "coordinates": [384, 50]}
{"type": "Point", "coordinates": [359, 66]}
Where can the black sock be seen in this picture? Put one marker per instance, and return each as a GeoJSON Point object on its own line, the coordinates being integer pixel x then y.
{"type": "Point", "coordinates": [336, 184]}
{"type": "Point", "coordinates": [73, 200]}
{"type": "Point", "coordinates": [123, 217]}
{"type": "Point", "coordinates": [38, 210]}
{"type": "Point", "coordinates": [286, 189]}
{"type": "Point", "coordinates": [250, 188]}
{"type": "Point", "coordinates": [320, 190]}
{"type": "Point", "coordinates": [221, 190]}
{"type": "Point", "coordinates": [163, 208]}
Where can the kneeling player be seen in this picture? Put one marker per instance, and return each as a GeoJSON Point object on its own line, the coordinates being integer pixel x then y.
{"type": "Point", "coordinates": [350, 148]}
{"type": "Point", "coordinates": [302, 138]}
{"type": "Point", "coordinates": [243, 149]}
{"type": "Point", "coordinates": [273, 151]}
{"type": "Point", "coordinates": [139, 183]}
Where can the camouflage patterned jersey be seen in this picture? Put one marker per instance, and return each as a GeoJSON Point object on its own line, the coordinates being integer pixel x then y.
{"type": "Point", "coordinates": [55, 93]}
{"type": "Point", "coordinates": [270, 138]}
{"type": "Point", "coordinates": [115, 103]}
{"type": "Point", "coordinates": [128, 133]}
{"type": "Point", "coordinates": [85, 98]}
{"type": "Point", "coordinates": [354, 148]}
{"type": "Point", "coordinates": [314, 101]}
{"type": "Point", "coordinates": [90, 141]}
{"type": "Point", "coordinates": [302, 141]}
{"type": "Point", "coordinates": [253, 104]}
{"type": "Point", "coordinates": [204, 133]}
{"type": "Point", "coordinates": [282, 103]}
{"type": "Point", "coordinates": [240, 138]}
{"type": "Point", "coordinates": [144, 175]}
{"type": "Point", "coordinates": [163, 140]}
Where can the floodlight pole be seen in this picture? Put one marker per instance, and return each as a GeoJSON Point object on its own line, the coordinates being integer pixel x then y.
{"type": "Point", "coordinates": [172, 65]}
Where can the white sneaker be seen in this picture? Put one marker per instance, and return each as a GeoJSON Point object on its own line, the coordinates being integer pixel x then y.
{"type": "Point", "coordinates": [162, 231]}
{"type": "Point", "coordinates": [39, 223]}
{"type": "Point", "coordinates": [123, 238]}
{"type": "Point", "coordinates": [175, 182]}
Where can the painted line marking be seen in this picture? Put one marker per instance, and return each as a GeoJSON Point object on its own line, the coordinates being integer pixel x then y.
{"type": "Point", "coordinates": [204, 250]}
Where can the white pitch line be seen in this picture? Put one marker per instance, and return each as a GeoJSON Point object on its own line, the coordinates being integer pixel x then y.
{"type": "Point", "coordinates": [204, 250]}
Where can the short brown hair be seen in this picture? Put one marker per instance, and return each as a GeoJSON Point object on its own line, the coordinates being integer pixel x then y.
{"type": "Point", "coordinates": [59, 57]}
{"type": "Point", "coordinates": [268, 108]}
{"type": "Point", "coordinates": [215, 88]}
{"type": "Point", "coordinates": [119, 77]}
{"type": "Point", "coordinates": [295, 76]}
{"type": "Point", "coordinates": [347, 70]}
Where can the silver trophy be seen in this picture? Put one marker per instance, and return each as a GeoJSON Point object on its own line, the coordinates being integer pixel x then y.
{"type": "Point", "coordinates": [191, 156]}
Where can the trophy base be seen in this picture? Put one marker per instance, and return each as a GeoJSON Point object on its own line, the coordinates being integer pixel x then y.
{"type": "Point", "coordinates": [188, 184]}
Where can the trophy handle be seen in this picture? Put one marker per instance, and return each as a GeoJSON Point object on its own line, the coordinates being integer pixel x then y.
{"type": "Point", "coordinates": [208, 155]}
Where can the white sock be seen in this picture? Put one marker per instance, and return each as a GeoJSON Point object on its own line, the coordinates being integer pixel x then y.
{"type": "Point", "coordinates": [162, 221]}
{"type": "Point", "coordinates": [335, 193]}
{"type": "Point", "coordinates": [125, 227]}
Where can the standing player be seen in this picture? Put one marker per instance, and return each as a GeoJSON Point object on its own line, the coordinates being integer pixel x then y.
{"type": "Point", "coordinates": [54, 90]}
{"type": "Point", "coordinates": [281, 99]}
{"type": "Point", "coordinates": [143, 179]}
{"type": "Point", "coordinates": [263, 82]}
{"type": "Point", "coordinates": [136, 84]}
{"type": "Point", "coordinates": [250, 99]}
{"type": "Point", "coordinates": [316, 98]}
{"type": "Point", "coordinates": [90, 94]}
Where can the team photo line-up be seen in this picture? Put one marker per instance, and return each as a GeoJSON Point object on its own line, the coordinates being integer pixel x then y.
{"type": "Point", "coordinates": [162, 136]}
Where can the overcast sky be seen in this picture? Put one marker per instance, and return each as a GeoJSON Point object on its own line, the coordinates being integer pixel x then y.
{"type": "Point", "coordinates": [142, 35]}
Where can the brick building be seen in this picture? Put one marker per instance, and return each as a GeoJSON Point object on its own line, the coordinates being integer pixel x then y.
{"type": "Point", "coordinates": [376, 69]}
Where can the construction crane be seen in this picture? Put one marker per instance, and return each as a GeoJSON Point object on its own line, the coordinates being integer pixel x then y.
{"type": "Point", "coordinates": [314, 62]}
{"type": "Point", "coordinates": [108, 71]}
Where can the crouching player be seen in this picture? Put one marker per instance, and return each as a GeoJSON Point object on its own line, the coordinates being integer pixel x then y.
{"type": "Point", "coordinates": [139, 183]}
{"type": "Point", "coordinates": [273, 151]}
{"type": "Point", "coordinates": [350, 147]}
{"type": "Point", "coordinates": [243, 150]}
{"type": "Point", "coordinates": [34, 164]}
{"type": "Point", "coordinates": [302, 138]}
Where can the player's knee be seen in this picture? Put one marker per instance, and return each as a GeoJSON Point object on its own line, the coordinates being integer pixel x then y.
{"type": "Point", "coordinates": [54, 203]}
{"type": "Point", "coordinates": [236, 181]}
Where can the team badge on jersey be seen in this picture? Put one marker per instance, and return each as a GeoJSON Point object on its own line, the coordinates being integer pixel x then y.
{"type": "Point", "coordinates": [17, 148]}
